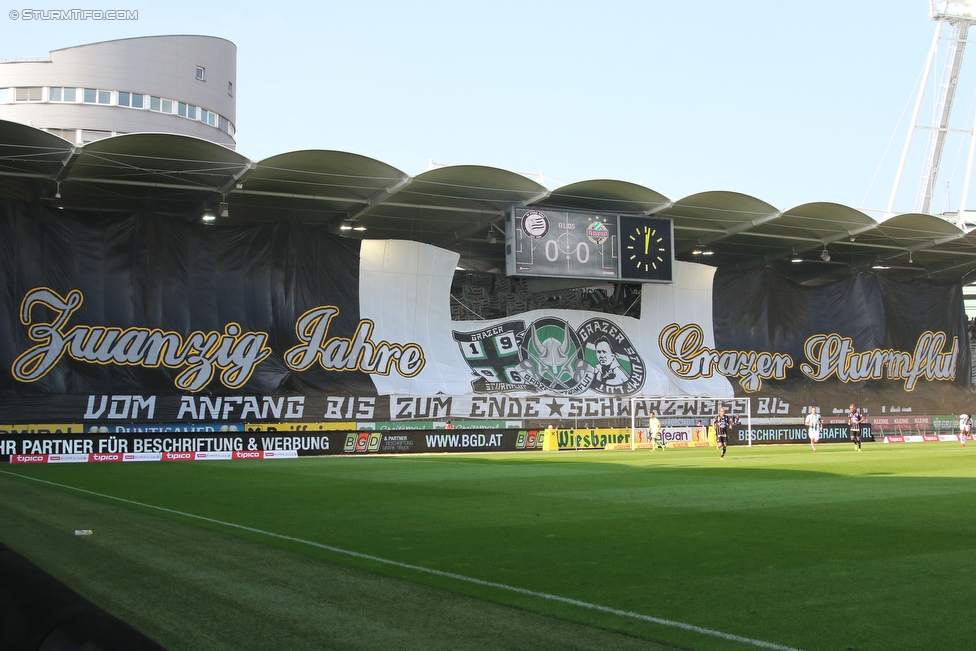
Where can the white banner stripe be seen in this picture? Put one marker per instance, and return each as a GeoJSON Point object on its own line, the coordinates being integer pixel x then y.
{"type": "Point", "coordinates": [426, 570]}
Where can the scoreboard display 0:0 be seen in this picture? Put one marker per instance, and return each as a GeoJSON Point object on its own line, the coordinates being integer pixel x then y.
{"type": "Point", "coordinates": [561, 243]}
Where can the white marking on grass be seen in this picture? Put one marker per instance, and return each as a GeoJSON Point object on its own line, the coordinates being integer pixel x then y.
{"type": "Point", "coordinates": [426, 570]}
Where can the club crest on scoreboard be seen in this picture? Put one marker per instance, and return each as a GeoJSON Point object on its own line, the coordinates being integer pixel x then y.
{"type": "Point", "coordinates": [597, 232]}
{"type": "Point", "coordinates": [535, 224]}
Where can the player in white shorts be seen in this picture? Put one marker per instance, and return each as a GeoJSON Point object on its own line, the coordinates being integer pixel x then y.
{"type": "Point", "coordinates": [965, 427]}
{"type": "Point", "coordinates": [814, 423]}
{"type": "Point", "coordinates": [654, 429]}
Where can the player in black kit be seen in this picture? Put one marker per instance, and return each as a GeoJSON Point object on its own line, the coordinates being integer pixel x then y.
{"type": "Point", "coordinates": [854, 420]}
{"type": "Point", "coordinates": [723, 425]}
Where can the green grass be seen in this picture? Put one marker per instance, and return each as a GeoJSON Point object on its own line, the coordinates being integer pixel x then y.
{"type": "Point", "coordinates": [833, 550]}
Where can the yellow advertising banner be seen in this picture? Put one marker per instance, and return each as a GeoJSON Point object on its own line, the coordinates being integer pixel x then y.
{"type": "Point", "coordinates": [592, 439]}
{"type": "Point", "coordinates": [43, 429]}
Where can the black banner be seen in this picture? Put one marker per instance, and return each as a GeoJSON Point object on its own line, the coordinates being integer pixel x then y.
{"type": "Point", "coordinates": [849, 339]}
{"type": "Point", "coordinates": [769, 434]}
{"type": "Point", "coordinates": [223, 304]}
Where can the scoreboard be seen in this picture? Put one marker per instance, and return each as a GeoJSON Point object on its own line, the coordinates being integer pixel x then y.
{"type": "Point", "coordinates": [566, 244]}
{"type": "Point", "coordinates": [557, 243]}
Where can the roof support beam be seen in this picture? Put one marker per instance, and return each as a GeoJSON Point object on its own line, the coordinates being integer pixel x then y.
{"type": "Point", "coordinates": [655, 210]}
{"type": "Point", "coordinates": [493, 218]}
{"type": "Point", "coordinates": [67, 163]}
{"type": "Point", "coordinates": [927, 245]}
{"type": "Point", "coordinates": [293, 195]}
{"type": "Point", "coordinates": [796, 250]}
{"type": "Point", "coordinates": [237, 178]}
{"type": "Point", "coordinates": [377, 198]}
{"type": "Point", "coordinates": [735, 229]}
{"type": "Point", "coordinates": [145, 184]}
{"type": "Point", "coordinates": [470, 229]}
{"type": "Point", "coordinates": [537, 198]}
{"type": "Point", "coordinates": [221, 193]}
{"type": "Point", "coordinates": [25, 175]}
{"type": "Point", "coordinates": [421, 206]}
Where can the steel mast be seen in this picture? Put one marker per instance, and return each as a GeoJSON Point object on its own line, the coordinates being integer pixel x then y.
{"type": "Point", "coordinates": [960, 16]}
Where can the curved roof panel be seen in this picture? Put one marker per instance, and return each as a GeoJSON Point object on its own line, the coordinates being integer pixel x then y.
{"type": "Point", "coordinates": [606, 195]}
{"type": "Point", "coordinates": [824, 221]}
{"type": "Point", "coordinates": [703, 220]}
{"type": "Point", "coordinates": [26, 150]}
{"type": "Point", "coordinates": [459, 184]}
{"type": "Point", "coordinates": [320, 172]}
{"type": "Point", "coordinates": [30, 159]}
{"type": "Point", "coordinates": [805, 227]}
{"type": "Point", "coordinates": [312, 185]}
{"type": "Point", "coordinates": [166, 173]}
{"type": "Point", "coordinates": [158, 159]}
{"type": "Point", "coordinates": [447, 205]}
{"type": "Point", "coordinates": [461, 207]}
{"type": "Point", "coordinates": [916, 230]}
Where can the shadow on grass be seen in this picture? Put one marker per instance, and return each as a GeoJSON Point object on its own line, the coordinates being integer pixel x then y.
{"type": "Point", "coordinates": [770, 545]}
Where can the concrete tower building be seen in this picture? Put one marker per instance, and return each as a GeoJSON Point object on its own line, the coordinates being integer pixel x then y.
{"type": "Point", "coordinates": [170, 84]}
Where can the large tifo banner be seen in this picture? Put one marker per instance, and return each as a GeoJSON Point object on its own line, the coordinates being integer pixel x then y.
{"type": "Point", "coordinates": [146, 319]}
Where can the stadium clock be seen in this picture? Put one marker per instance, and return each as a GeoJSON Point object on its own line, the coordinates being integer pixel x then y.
{"type": "Point", "coordinates": [646, 249]}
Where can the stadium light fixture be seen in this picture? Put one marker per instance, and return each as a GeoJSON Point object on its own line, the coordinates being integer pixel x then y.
{"type": "Point", "coordinates": [708, 252]}
{"type": "Point", "coordinates": [493, 235]}
{"type": "Point", "coordinates": [943, 9]}
{"type": "Point", "coordinates": [346, 225]}
{"type": "Point", "coordinates": [796, 260]}
{"type": "Point", "coordinates": [208, 215]}
{"type": "Point", "coordinates": [825, 255]}
{"type": "Point", "coordinates": [223, 209]}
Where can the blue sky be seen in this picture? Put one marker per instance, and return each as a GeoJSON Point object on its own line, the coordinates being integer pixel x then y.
{"type": "Point", "coordinates": [789, 102]}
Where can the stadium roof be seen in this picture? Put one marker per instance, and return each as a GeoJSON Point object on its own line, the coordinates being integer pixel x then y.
{"type": "Point", "coordinates": [461, 207]}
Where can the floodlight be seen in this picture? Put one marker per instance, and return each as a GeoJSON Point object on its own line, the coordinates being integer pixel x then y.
{"type": "Point", "coordinates": [954, 9]}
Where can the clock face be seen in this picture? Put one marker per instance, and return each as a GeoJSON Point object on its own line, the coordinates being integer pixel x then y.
{"type": "Point", "coordinates": [645, 249]}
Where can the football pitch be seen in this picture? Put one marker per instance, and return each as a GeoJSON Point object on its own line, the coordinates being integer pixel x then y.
{"type": "Point", "coordinates": [775, 547]}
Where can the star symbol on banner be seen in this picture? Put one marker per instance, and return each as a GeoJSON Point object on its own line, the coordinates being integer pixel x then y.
{"type": "Point", "coordinates": [555, 408]}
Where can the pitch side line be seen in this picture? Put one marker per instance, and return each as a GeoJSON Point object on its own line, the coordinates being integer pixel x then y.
{"type": "Point", "coordinates": [427, 570]}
